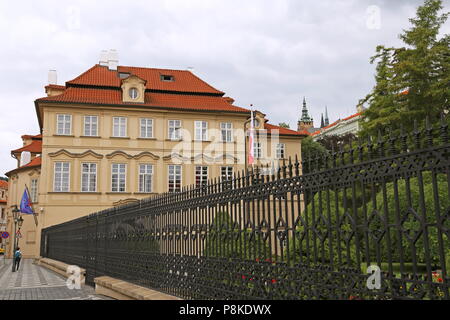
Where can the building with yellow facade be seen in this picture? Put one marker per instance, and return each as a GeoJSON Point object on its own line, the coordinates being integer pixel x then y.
{"type": "Point", "coordinates": [3, 210]}
{"type": "Point", "coordinates": [117, 134]}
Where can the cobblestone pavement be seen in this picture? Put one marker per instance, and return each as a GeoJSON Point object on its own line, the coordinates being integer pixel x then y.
{"type": "Point", "coordinates": [33, 282]}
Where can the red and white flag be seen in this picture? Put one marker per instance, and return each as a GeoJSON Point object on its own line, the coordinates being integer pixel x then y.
{"type": "Point", "coordinates": [251, 139]}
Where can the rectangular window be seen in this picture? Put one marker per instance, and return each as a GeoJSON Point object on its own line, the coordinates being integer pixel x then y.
{"type": "Point", "coordinates": [201, 175]}
{"type": "Point", "coordinates": [257, 150]}
{"type": "Point", "coordinates": [280, 150]}
{"type": "Point", "coordinates": [227, 173]}
{"type": "Point", "coordinates": [201, 130]}
{"type": "Point", "coordinates": [119, 127]}
{"type": "Point", "coordinates": [34, 190]}
{"type": "Point", "coordinates": [165, 77]}
{"type": "Point", "coordinates": [145, 178]}
{"type": "Point", "coordinates": [90, 126]}
{"type": "Point", "coordinates": [174, 129]}
{"type": "Point", "coordinates": [146, 128]}
{"type": "Point", "coordinates": [88, 177]}
{"type": "Point", "coordinates": [62, 177]}
{"type": "Point", "coordinates": [118, 177]}
{"type": "Point", "coordinates": [174, 178]}
{"type": "Point", "coordinates": [64, 124]}
{"type": "Point", "coordinates": [226, 129]}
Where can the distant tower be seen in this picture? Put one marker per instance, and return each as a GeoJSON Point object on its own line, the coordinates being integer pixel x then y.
{"type": "Point", "coordinates": [327, 121]}
{"type": "Point", "coordinates": [322, 123]}
{"type": "Point", "coordinates": [305, 121]}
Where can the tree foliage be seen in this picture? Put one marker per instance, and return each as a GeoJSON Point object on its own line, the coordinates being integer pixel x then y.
{"type": "Point", "coordinates": [226, 239]}
{"type": "Point", "coordinates": [284, 125]}
{"type": "Point", "coordinates": [412, 82]}
{"type": "Point", "coordinates": [311, 148]}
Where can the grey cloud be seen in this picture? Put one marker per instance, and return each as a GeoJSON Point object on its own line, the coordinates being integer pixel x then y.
{"type": "Point", "coordinates": [266, 53]}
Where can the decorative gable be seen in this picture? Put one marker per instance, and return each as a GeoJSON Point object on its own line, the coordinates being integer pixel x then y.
{"type": "Point", "coordinates": [133, 89]}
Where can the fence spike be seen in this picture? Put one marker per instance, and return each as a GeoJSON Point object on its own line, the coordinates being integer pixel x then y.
{"type": "Point", "coordinates": [428, 131]}
{"type": "Point", "coordinates": [443, 129]}
{"type": "Point", "coordinates": [290, 166]}
{"type": "Point", "coordinates": [416, 135]}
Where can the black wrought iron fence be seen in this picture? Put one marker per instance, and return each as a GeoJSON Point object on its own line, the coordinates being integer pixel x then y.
{"type": "Point", "coordinates": [310, 229]}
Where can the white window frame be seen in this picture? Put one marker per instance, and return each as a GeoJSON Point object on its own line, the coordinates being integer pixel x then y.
{"type": "Point", "coordinates": [34, 190]}
{"type": "Point", "coordinates": [227, 129]}
{"type": "Point", "coordinates": [133, 91]}
{"type": "Point", "coordinates": [88, 132]}
{"type": "Point", "coordinates": [228, 175]}
{"type": "Point", "coordinates": [257, 147]}
{"type": "Point", "coordinates": [174, 176]}
{"type": "Point", "coordinates": [146, 123]}
{"type": "Point", "coordinates": [62, 172]}
{"type": "Point", "coordinates": [281, 148]}
{"type": "Point", "coordinates": [142, 177]}
{"type": "Point", "coordinates": [201, 130]}
{"type": "Point", "coordinates": [203, 177]}
{"type": "Point", "coordinates": [89, 174]}
{"type": "Point", "coordinates": [121, 131]}
{"type": "Point", "coordinates": [118, 173]}
{"type": "Point", "coordinates": [64, 126]}
{"type": "Point", "coordinates": [172, 124]}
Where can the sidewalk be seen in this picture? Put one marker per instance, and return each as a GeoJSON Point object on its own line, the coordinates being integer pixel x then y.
{"type": "Point", "coordinates": [34, 282]}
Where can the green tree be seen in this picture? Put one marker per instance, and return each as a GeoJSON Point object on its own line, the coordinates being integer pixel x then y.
{"type": "Point", "coordinates": [325, 218]}
{"type": "Point", "coordinates": [284, 125]}
{"type": "Point", "coordinates": [410, 214]}
{"type": "Point", "coordinates": [226, 239]}
{"type": "Point", "coordinates": [311, 148]}
{"type": "Point", "coordinates": [412, 82]}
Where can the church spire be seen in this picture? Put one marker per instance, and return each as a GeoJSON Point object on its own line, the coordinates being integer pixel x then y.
{"type": "Point", "coordinates": [327, 121]}
{"type": "Point", "coordinates": [305, 122]}
{"type": "Point", "coordinates": [322, 123]}
{"type": "Point", "coordinates": [305, 116]}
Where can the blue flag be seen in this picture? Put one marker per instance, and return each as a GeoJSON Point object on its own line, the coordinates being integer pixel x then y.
{"type": "Point", "coordinates": [25, 203]}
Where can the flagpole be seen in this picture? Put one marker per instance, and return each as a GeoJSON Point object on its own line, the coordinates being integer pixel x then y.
{"type": "Point", "coordinates": [31, 205]}
{"type": "Point", "coordinates": [253, 147]}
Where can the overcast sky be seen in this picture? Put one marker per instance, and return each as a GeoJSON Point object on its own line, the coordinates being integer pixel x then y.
{"type": "Point", "coordinates": [266, 53]}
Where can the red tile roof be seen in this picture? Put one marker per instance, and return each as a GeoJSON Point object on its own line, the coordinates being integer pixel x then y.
{"type": "Point", "coordinates": [352, 116]}
{"type": "Point", "coordinates": [185, 81]}
{"type": "Point", "coordinates": [34, 147]}
{"type": "Point", "coordinates": [284, 131]}
{"type": "Point", "coordinates": [3, 184]}
{"type": "Point", "coordinates": [152, 99]}
{"type": "Point", "coordinates": [27, 136]}
{"type": "Point", "coordinates": [55, 86]}
{"type": "Point", "coordinates": [36, 162]}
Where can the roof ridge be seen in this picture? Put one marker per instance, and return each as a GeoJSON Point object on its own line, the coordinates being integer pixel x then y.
{"type": "Point", "coordinates": [84, 73]}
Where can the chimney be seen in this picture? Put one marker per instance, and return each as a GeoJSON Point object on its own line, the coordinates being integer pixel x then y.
{"type": "Point", "coordinates": [103, 58]}
{"type": "Point", "coordinates": [25, 158]}
{"type": "Point", "coordinates": [113, 59]}
{"type": "Point", "coordinates": [52, 77]}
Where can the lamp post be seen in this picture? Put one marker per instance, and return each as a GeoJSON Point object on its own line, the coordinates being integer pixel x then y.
{"type": "Point", "coordinates": [17, 221]}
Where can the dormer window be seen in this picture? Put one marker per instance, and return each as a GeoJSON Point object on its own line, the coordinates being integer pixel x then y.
{"type": "Point", "coordinates": [167, 78]}
{"type": "Point", "coordinates": [134, 93]}
{"type": "Point", "coordinates": [133, 89]}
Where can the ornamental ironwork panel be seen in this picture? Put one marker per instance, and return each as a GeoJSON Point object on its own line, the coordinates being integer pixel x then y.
{"type": "Point", "coordinates": [309, 229]}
